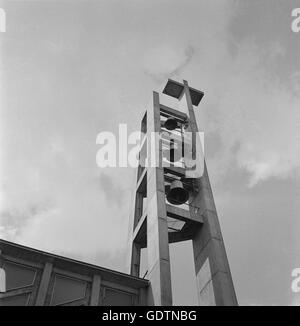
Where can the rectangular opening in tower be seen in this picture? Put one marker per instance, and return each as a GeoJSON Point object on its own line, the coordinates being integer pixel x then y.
{"type": "Point", "coordinates": [183, 279]}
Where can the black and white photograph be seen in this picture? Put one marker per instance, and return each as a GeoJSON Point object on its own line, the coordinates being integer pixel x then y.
{"type": "Point", "coordinates": [149, 155]}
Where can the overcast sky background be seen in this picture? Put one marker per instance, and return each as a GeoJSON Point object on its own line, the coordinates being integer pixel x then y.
{"type": "Point", "coordinates": [71, 69]}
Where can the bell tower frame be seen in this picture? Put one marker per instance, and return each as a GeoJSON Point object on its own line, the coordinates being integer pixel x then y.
{"type": "Point", "coordinates": [154, 217]}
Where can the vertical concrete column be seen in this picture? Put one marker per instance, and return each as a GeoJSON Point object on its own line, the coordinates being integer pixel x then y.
{"type": "Point", "coordinates": [215, 285]}
{"type": "Point", "coordinates": [2, 275]}
{"type": "Point", "coordinates": [134, 248]}
{"type": "Point", "coordinates": [95, 294]}
{"type": "Point", "coordinates": [159, 271]}
{"type": "Point", "coordinates": [42, 292]}
{"type": "Point", "coordinates": [192, 119]}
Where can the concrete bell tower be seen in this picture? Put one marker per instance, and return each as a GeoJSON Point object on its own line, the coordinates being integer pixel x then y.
{"type": "Point", "coordinates": [174, 202]}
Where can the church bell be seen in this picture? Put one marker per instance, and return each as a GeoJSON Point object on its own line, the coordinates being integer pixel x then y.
{"type": "Point", "coordinates": [171, 124]}
{"type": "Point", "coordinates": [177, 194]}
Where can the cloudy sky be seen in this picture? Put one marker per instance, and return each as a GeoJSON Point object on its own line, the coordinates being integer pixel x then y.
{"type": "Point", "coordinates": [71, 69]}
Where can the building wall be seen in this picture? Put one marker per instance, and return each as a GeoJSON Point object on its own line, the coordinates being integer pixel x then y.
{"type": "Point", "coordinates": [38, 278]}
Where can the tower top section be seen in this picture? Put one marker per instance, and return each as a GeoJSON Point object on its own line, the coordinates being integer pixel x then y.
{"type": "Point", "coordinates": [176, 89]}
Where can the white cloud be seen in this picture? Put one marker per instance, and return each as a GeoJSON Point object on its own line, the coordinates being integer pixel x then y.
{"type": "Point", "coordinates": [257, 115]}
{"type": "Point", "coordinates": [56, 201]}
{"type": "Point", "coordinates": [167, 59]}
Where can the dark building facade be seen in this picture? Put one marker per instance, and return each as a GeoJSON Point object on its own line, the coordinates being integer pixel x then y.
{"type": "Point", "coordinates": [37, 278]}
